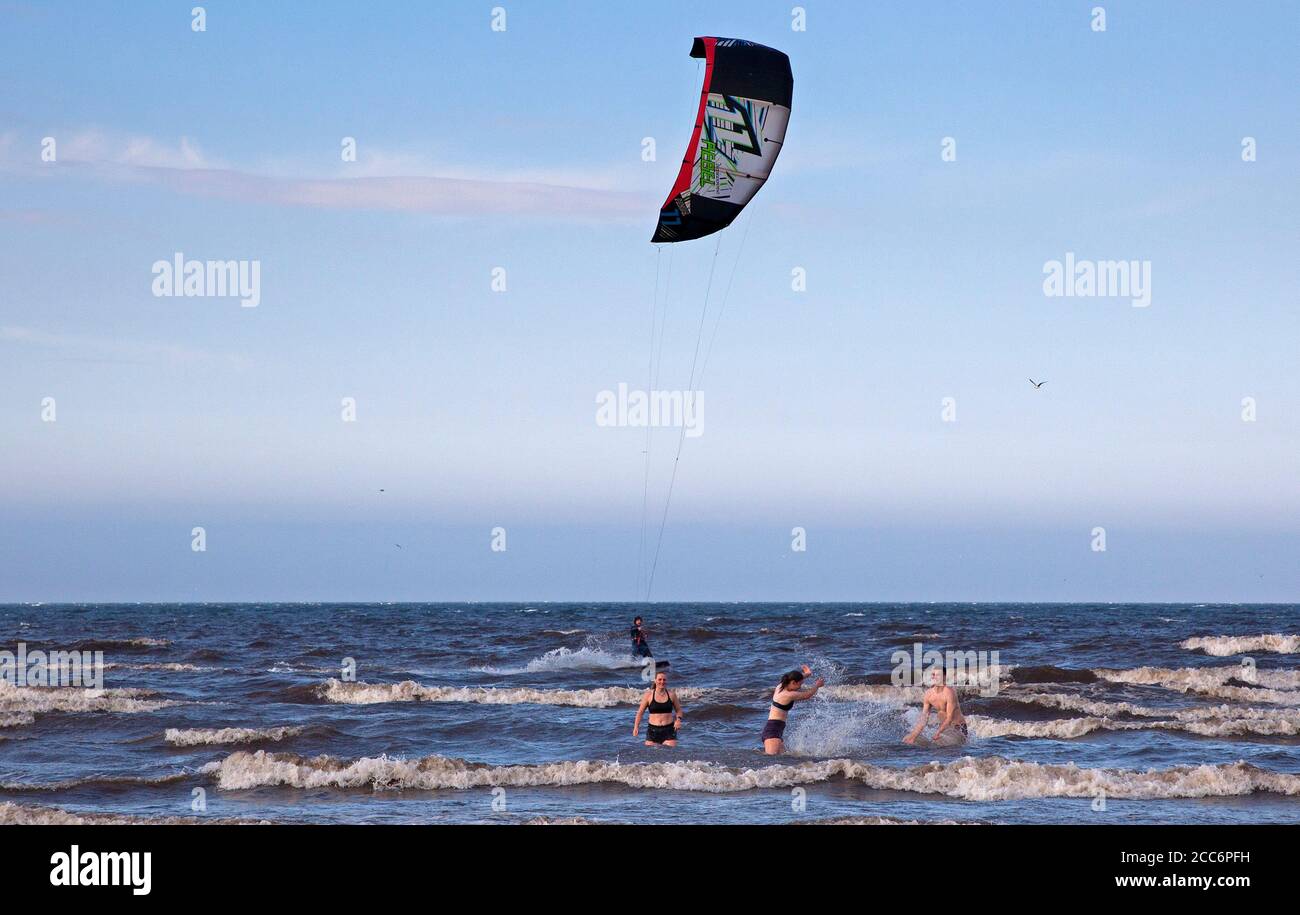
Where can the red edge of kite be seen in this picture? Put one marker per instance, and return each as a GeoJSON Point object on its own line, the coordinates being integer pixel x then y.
{"type": "Point", "coordinates": [688, 162]}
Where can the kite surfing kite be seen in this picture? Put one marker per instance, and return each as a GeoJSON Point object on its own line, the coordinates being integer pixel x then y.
{"type": "Point", "coordinates": [739, 129]}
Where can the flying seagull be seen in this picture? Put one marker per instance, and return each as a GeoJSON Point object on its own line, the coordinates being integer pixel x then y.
{"type": "Point", "coordinates": [1037, 384]}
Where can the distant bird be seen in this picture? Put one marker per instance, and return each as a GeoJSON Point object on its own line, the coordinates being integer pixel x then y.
{"type": "Point", "coordinates": [398, 545]}
{"type": "Point", "coordinates": [381, 490]}
{"type": "Point", "coordinates": [1036, 384]}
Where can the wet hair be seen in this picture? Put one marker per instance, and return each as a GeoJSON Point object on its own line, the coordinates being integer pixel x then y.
{"type": "Point", "coordinates": [636, 619]}
{"type": "Point", "coordinates": [794, 676]}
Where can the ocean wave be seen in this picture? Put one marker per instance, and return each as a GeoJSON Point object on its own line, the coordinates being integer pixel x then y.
{"type": "Point", "coordinates": [16, 719]}
{"type": "Point", "coordinates": [39, 700]}
{"type": "Point", "coordinates": [172, 666]}
{"type": "Point", "coordinates": [96, 781]}
{"type": "Point", "coordinates": [135, 644]}
{"type": "Point", "coordinates": [1204, 676]}
{"type": "Point", "coordinates": [585, 658]}
{"type": "Point", "coordinates": [880, 821]}
{"type": "Point", "coordinates": [285, 667]}
{"type": "Point", "coordinates": [410, 691]}
{"type": "Point", "coordinates": [12, 814]}
{"type": "Point", "coordinates": [1071, 728]}
{"type": "Point", "coordinates": [195, 737]}
{"type": "Point", "coordinates": [1057, 729]}
{"type": "Point", "coordinates": [897, 695]}
{"type": "Point", "coordinates": [992, 778]}
{"type": "Point", "coordinates": [874, 692]}
{"type": "Point", "coordinates": [1223, 645]}
{"type": "Point", "coordinates": [559, 821]}
{"type": "Point", "coordinates": [1274, 721]}
{"type": "Point", "coordinates": [1046, 673]}
{"type": "Point", "coordinates": [1232, 682]}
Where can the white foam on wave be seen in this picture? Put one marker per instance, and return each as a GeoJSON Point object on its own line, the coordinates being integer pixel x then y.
{"type": "Point", "coordinates": [1222, 646]}
{"type": "Point", "coordinates": [559, 821]}
{"type": "Point", "coordinates": [173, 666]}
{"type": "Point", "coordinates": [879, 821]}
{"type": "Point", "coordinates": [990, 778]}
{"type": "Point", "coordinates": [1203, 676]}
{"type": "Point", "coordinates": [284, 667]}
{"type": "Point", "coordinates": [12, 814]}
{"type": "Point", "coordinates": [1271, 721]}
{"type": "Point", "coordinates": [1224, 725]}
{"type": "Point", "coordinates": [1278, 687]}
{"type": "Point", "coordinates": [38, 700]}
{"type": "Point", "coordinates": [195, 737]}
{"type": "Point", "coordinates": [410, 691]}
{"type": "Point", "coordinates": [588, 657]}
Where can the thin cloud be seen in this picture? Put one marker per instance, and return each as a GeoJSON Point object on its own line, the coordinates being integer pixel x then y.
{"type": "Point", "coordinates": [441, 196]}
{"type": "Point", "coordinates": [81, 348]}
{"type": "Point", "coordinates": [390, 182]}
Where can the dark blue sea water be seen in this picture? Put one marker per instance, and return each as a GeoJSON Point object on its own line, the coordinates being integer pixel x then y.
{"type": "Point", "coordinates": [512, 713]}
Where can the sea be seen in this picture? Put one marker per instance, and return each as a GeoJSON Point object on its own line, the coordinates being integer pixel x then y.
{"type": "Point", "coordinates": [519, 713]}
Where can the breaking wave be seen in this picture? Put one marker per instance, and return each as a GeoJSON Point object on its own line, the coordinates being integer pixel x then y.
{"type": "Point", "coordinates": [1225, 725]}
{"type": "Point", "coordinates": [12, 814]}
{"type": "Point", "coordinates": [1236, 683]}
{"type": "Point", "coordinates": [196, 737]}
{"type": "Point", "coordinates": [1221, 646]}
{"type": "Point", "coordinates": [991, 778]}
{"type": "Point", "coordinates": [879, 821]}
{"type": "Point", "coordinates": [410, 691]}
{"type": "Point", "coordinates": [27, 700]}
{"type": "Point", "coordinates": [97, 781]}
{"type": "Point", "coordinates": [106, 645]}
{"type": "Point", "coordinates": [1103, 709]}
{"type": "Point", "coordinates": [589, 657]}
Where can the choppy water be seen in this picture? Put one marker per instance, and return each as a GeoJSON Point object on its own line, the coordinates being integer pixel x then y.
{"type": "Point", "coordinates": [517, 713]}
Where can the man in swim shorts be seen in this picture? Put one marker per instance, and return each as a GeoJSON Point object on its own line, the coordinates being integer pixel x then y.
{"type": "Point", "coordinates": [943, 699]}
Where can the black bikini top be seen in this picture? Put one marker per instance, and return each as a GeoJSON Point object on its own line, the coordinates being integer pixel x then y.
{"type": "Point", "coordinates": [785, 708]}
{"type": "Point", "coordinates": [660, 708]}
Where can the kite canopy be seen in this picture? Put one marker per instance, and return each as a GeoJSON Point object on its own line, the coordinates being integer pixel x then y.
{"type": "Point", "coordinates": [739, 128]}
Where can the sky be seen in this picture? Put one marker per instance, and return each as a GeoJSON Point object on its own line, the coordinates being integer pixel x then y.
{"type": "Point", "coordinates": [484, 154]}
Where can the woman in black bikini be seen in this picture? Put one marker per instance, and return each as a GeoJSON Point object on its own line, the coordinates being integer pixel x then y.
{"type": "Point", "coordinates": [665, 714]}
{"type": "Point", "coordinates": [787, 693]}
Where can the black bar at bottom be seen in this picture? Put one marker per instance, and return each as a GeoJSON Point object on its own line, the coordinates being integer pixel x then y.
{"type": "Point", "coordinates": [743, 864]}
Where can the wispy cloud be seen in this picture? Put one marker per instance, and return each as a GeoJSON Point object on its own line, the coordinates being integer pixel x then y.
{"type": "Point", "coordinates": [443, 196]}
{"type": "Point", "coordinates": [407, 182]}
{"type": "Point", "coordinates": [80, 348]}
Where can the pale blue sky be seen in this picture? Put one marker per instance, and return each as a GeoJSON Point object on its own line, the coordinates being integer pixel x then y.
{"type": "Point", "coordinates": [476, 409]}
